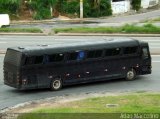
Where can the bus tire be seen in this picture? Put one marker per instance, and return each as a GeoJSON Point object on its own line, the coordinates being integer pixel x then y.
{"type": "Point", "coordinates": [56, 84]}
{"type": "Point", "coordinates": [131, 75]}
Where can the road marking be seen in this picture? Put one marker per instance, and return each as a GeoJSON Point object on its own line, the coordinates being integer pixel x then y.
{"type": "Point", "coordinates": [155, 55]}
{"type": "Point", "coordinates": [156, 61]}
{"type": "Point", "coordinates": [156, 43]}
{"type": "Point", "coordinates": [156, 40]}
{"type": "Point", "coordinates": [154, 47]}
{"type": "Point", "coordinates": [2, 42]}
{"type": "Point", "coordinates": [3, 38]}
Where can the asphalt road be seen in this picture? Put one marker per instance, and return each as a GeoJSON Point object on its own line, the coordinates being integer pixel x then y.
{"type": "Point", "coordinates": [10, 96]}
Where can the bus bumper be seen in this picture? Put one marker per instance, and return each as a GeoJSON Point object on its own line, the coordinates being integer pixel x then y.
{"type": "Point", "coordinates": [12, 85]}
{"type": "Point", "coordinates": [146, 70]}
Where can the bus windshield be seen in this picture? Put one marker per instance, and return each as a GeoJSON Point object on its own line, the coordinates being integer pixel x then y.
{"type": "Point", "coordinates": [13, 57]}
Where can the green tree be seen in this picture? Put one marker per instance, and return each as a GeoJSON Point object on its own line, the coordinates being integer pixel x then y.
{"type": "Point", "coordinates": [52, 4]}
{"type": "Point", "coordinates": [136, 4]}
{"type": "Point", "coordinates": [10, 1]}
{"type": "Point", "coordinates": [99, 8]}
{"type": "Point", "coordinates": [10, 6]}
{"type": "Point", "coordinates": [42, 9]}
{"type": "Point", "coordinates": [96, 3]}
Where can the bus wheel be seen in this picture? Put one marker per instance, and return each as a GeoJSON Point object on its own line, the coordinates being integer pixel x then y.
{"type": "Point", "coordinates": [131, 75]}
{"type": "Point", "coordinates": [56, 84]}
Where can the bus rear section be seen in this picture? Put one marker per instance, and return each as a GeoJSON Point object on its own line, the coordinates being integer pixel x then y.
{"type": "Point", "coordinates": [146, 66]}
{"type": "Point", "coordinates": [11, 68]}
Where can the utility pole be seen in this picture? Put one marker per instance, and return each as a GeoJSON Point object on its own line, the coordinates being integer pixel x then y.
{"type": "Point", "coordinates": [51, 10]}
{"type": "Point", "coordinates": [81, 9]}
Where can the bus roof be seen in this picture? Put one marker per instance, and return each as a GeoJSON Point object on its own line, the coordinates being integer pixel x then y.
{"type": "Point", "coordinates": [68, 47]}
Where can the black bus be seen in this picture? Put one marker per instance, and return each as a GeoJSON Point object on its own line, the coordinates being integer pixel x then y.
{"type": "Point", "coordinates": [54, 66]}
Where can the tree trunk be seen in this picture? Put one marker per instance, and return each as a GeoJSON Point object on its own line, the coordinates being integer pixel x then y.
{"type": "Point", "coordinates": [51, 10]}
{"type": "Point", "coordinates": [96, 3]}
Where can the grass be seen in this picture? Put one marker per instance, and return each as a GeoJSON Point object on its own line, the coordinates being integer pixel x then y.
{"type": "Point", "coordinates": [153, 20]}
{"type": "Point", "coordinates": [95, 107]}
{"type": "Point", "coordinates": [157, 19]}
{"type": "Point", "coordinates": [21, 30]}
{"type": "Point", "coordinates": [148, 28]}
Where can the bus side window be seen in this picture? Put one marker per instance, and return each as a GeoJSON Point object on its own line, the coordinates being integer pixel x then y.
{"type": "Point", "coordinates": [38, 60]}
{"type": "Point", "coordinates": [45, 59]}
{"type": "Point", "coordinates": [112, 52]}
{"type": "Point", "coordinates": [98, 53]}
{"type": "Point", "coordinates": [130, 50]}
{"type": "Point", "coordinates": [90, 54]}
{"type": "Point", "coordinates": [145, 52]}
{"type": "Point", "coordinates": [56, 57]}
{"type": "Point", "coordinates": [73, 56]}
{"type": "Point", "coordinates": [81, 55]}
{"type": "Point", "coordinates": [52, 58]}
{"type": "Point", "coordinates": [60, 57]}
{"type": "Point", "coordinates": [94, 54]}
{"type": "Point", "coordinates": [29, 60]}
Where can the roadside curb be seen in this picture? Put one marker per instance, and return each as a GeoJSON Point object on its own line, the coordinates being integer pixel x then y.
{"type": "Point", "coordinates": [106, 34]}
{"type": "Point", "coordinates": [49, 21]}
{"type": "Point", "coordinates": [83, 34]}
{"type": "Point", "coordinates": [2, 52]}
{"type": "Point", "coordinates": [24, 34]}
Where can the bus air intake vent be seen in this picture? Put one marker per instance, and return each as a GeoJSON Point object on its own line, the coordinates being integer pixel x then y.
{"type": "Point", "coordinates": [44, 45]}
{"type": "Point", "coordinates": [21, 48]}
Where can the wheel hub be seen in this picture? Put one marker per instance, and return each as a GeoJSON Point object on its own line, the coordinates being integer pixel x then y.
{"type": "Point", "coordinates": [130, 75]}
{"type": "Point", "coordinates": [56, 84]}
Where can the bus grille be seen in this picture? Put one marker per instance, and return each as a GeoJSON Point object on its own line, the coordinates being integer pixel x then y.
{"type": "Point", "coordinates": [10, 77]}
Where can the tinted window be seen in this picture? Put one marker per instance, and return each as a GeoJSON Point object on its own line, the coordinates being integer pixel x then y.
{"type": "Point", "coordinates": [80, 55]}
{"type": "Point", "coordinates": [90, 54]}
{"type": "Point", "coordinates": [29, 60]}
{"type": "Point", "coordinates": [13, 57]}
{"type": "Point", "coordinates": [73, 56]}
{"type": "Point", "coordinates": [98, 53]}
{"type": "Point", "coordinates": [34, 60]}
{"type": "Point", "coordinates": [94, 54]}
{"type": "Point", "coordinates": [56, 57]}
{"type": "Point", "coordinates": [130, 50]}
{"type": "Point", "coordinates": [145, 53]}
{"type": "Point", "coordinates": [59, 57]}
{"type": "Point", "coordinates": [38, 60]}
{"type": "Point", "coordinates": [52, 58]}
{"type": "Point", "coordinates": [112, 52]}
